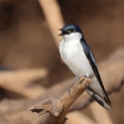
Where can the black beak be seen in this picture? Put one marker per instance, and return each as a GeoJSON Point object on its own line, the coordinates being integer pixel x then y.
{"type": "Point", "coordinates": [64, 32]}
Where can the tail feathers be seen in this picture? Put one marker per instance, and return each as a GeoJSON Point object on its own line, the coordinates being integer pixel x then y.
{"type": "Point", "coordinates": [101, 100]}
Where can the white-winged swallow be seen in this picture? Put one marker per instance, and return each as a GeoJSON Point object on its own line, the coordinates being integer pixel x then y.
{"type": "Point", "coordinates": [78, 56]}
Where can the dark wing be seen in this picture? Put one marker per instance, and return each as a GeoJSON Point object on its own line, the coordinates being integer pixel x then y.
{"type": "Point", "coordinates": [92, 61]}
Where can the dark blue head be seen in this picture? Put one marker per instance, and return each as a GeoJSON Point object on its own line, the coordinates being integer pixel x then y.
{"type": "Point", "coordinates": [70, 28]}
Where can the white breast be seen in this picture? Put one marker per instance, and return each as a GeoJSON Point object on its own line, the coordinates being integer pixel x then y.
{"type": "Point", "coordinates": [73, 55]}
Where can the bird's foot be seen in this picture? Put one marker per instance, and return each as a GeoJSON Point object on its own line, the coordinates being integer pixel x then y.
{"type": "Point", "coordinates": [87, 75]}
{"type": "Point", "coordinates": [76, 81]}
{"type": "Point", "coordinates": [69, 89]}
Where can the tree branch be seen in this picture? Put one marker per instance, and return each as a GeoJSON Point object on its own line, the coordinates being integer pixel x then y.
{"type": "Point", "coordinates": [58, 107]}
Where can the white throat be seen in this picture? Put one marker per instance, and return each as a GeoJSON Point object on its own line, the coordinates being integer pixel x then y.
{"type": "Point", "coordinates": [72, 36]}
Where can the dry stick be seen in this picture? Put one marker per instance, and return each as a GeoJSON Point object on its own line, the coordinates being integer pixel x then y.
{"type": "Point", "coordinates": [53, 16]}
{"type": "Point", "coordinates": [58, 107]}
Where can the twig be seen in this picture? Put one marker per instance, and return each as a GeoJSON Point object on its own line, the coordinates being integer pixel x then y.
{"type": "Point", "coordinates": [58, 107]}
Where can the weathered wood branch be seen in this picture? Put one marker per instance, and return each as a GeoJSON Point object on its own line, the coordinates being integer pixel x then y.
{"type": "Point", "coordinates": [112, 73]}
{"type": "Point", "coordinates": [58, 107]}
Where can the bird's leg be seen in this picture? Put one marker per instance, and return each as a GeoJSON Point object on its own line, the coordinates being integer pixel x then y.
{"type": "Point", "coordinates": [87, 75]}
{"type": "Point", "coordinates": [76, 80]}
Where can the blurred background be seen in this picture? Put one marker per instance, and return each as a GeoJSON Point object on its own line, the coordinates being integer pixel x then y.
{"type": "Point", "coordinates": [29, 58]}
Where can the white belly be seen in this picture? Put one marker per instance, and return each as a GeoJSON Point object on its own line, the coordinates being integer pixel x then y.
{"type": "Point", "coordinates": [73, 55]}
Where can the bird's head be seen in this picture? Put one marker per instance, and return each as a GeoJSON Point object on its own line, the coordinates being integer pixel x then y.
{"type": "Point", "coordinates": [71, 31]}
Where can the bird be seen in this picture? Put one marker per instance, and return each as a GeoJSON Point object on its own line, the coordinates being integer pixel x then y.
{"type": "Point", "coordinates": [77, 55]}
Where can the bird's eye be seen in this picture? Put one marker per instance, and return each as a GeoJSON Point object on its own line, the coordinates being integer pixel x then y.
{"type": "Point", "coordinates": [71, 30]}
